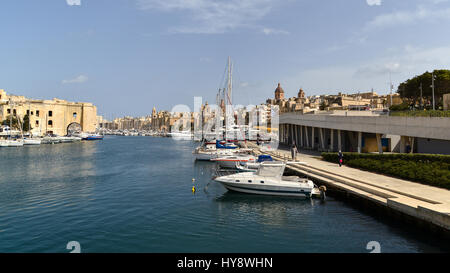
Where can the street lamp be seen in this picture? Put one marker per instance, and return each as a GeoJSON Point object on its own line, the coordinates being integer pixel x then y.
{"type": "Point", "coordinates": [433, 77]}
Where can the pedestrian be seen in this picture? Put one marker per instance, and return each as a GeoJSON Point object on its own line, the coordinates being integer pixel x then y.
{"type": "Point", "coordinates": [340, 157]}
{"type": "Point", "coordinates": [294, 151]}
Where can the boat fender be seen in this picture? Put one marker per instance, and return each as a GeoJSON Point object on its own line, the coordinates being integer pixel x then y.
{"type": "Point", "coordinates": [322, 190]}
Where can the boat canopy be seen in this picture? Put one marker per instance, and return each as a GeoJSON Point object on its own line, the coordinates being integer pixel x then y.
{"type": "Point", "coordinates": [270, 169]}
{"type": "Point", "coordinates": [263, 158]}
{"type": "Point", "coordinates": [225, 146]}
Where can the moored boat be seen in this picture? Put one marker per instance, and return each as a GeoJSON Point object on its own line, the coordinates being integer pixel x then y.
{"type": "Point", "coordinates": [269, 180]}
{"type": "Point", "coordinates": [32, 141]}
{"type": "Point", "coordinates": [11, 142]}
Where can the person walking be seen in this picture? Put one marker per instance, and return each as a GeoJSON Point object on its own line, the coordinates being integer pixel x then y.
{"type": "Point", "coordinates": [340, 157]}
{"type": "Point", "coordinates": [294, 151]}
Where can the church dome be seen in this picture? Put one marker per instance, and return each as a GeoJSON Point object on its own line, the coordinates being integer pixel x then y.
{"type": "Point", "coordinates": [279, 89]}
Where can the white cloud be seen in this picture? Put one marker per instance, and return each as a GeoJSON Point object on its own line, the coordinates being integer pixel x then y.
{"type": "Point", "coordinates": [402, 63]}
{"type": "Point", "coordinates": [408, 17]}
{"type": "Point", "coordinates": [78, 79]}
{"type": "Point", "coordinates": [269, 31]}
{"type": "Point", "coordinates": [73, 2]}
{"type": "Point", "coordinates": [212, 16]}
{"type": "Point", "coordinates": [373, 2]}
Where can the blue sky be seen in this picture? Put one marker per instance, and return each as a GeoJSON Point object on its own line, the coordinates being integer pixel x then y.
{"type": "Point", "coordinates": [127, 56]}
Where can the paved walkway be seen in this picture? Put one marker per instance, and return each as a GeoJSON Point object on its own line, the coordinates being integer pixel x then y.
{"type": "Point", "coordinates": [426, 202]}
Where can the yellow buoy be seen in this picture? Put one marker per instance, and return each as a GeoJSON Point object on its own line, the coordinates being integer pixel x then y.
{"type": "Point", "coordinates": [193, 189]}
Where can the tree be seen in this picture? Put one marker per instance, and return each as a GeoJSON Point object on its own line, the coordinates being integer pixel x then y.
{"type": "Point", "coordinates": [410, 89]}
{"type": "Point", "coordinates": [26, 123]}
{"type": "Point", "coordinates": [7, 122]}
{"type": "Point", "coordinates": [15, 123]}
{"type": "Point", "coordinates": [323, 105]}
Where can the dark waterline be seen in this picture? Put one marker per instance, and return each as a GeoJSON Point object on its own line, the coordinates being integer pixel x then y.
{"type": "Point", "coordinates": [133, 194]}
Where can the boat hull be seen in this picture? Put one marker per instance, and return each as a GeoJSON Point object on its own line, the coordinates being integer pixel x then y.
{"type": "Point", "coordinates": [273, 191]}
{"type": "Point", "coordinates": [32, 141]}
{"type": "Point", "coordinates": [11, 143]}
{"type": "Point", "coordinates": [93, 138]}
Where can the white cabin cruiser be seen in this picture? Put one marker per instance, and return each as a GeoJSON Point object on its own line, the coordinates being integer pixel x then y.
{"type": "Point", "coordinates": [232, 161]}
{"type": "Point", "coordinates": [31, 141]}
{"type": "Point", "coordinates": [269, 180]}
{"type": "Point", "coordinates": [11, 143]}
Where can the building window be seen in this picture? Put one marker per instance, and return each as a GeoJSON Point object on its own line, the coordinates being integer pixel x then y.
{"type": "Point", "coordinates": [37, 122]}
{"type": "Point", "coordinates": [32, 113]}
{"type": "Point", "coordinates": [9, 111]}
{"type": "Point", "coordinates": [74, 115]}
{"type": "Point", "coordinates": [37, 113]}
{"type": "Point", "coordinates": [14, 112]}
{"type": "Point", "coordinates": [50, 122]}
{"type": "Point", "coordinates": [50, 113]}
{"type": "Point", "coordinates": [28, 112]}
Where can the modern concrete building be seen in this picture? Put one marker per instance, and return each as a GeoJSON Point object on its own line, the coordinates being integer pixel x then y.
{"type": "Point", "coordinates": [50, 116]}
{"type": "Point", "coordinates": [354, 131]}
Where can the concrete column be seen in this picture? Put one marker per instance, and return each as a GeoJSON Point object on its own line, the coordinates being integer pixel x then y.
{"type": "Point", "coordinates": [339, 140]}
{"type": "Point", "coordinates": [331, 140]}
{"type": "Point", "coordinates": [301, 135]}
{"type": "Point", "coordinates": [295, 135]}
{"type": "Point", "coordinates": [306, 136]}
{"type": "Point", "coordinates": [402, 144]}
{"type": "Point", "coordinates": [380, 146]}
{"type": "Point", "coordinates": [322, 140]}
{"type": "Point", "coordinates": [359, 142]}
{"type": "Point", "coordinates": [312, 138]}
{"type": "Point", "coordinates": [411, 141]}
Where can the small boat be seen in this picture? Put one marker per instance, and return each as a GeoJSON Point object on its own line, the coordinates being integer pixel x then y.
{"type": "Point", "coordinates": [88, 136]}
{"type": "Point", "coordinates": [93, 137]}
{"type": "Point", "coordinates": [11, 143]}
{"type": "Point", "coordinates": [51, 139]}
{"type": "Point", "coordinates": [208, 154]}
{"type": "Point", "coordinates": [32, 141]}
{"type": "Point", "coordinates": [225, 145]}
{"type": "Point", "coordinates": [231, 162]}
{"type": "Point", "coordinates": [255, 165]}
{"type": "Point", "coordinates": [269, 180]}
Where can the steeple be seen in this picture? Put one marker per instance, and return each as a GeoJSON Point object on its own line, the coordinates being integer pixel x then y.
{"type": "Point", "coordinates": [279, 92]}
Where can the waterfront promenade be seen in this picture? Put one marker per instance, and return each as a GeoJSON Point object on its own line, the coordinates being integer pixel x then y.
{"type": "Point", "coordinates": [423, 202]}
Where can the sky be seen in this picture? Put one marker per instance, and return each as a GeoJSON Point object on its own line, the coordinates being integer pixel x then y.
{"type": "Point", "coordinates": [126, 56]}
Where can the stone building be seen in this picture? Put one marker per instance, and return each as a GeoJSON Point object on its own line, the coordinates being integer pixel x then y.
{"type": "Point", "coordinates": [54, 116]}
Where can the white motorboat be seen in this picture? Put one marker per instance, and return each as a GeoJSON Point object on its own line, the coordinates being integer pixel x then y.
{"type": "Point", "coordinates": [65, 139]}
{"type": "Point", "coordinates": [50, 139]}
{"type": "Point", "coordinates": [32, 141]}
{"type": "Point", "coordinates": [269, 180]}
{"type": "Point", "coordinates": [208, 154]}
{"type": "Point", "coordinates": [230, 162]}
{"type": "Point", "coordinates": [11, 142]}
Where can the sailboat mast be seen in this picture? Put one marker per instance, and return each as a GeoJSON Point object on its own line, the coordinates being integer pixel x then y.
{"type": "Point", "coordinates": [10, 117]}
{"type": "Point", "coordinates": [230, 81]}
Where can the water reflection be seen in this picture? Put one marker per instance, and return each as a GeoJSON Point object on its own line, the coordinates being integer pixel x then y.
{"type": "Point", "coordinates": [46, 175]}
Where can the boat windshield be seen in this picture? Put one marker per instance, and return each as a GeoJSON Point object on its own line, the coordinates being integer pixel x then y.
{"type": "Point", "coordinates": [270, 170]}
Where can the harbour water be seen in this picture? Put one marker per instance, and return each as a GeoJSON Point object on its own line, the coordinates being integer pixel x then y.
{"type": "Point", "coordinates": [133, 194]}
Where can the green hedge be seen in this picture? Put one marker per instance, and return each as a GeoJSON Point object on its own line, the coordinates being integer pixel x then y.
{"type": "Point", "coordinates": [421, 113]}
{"type": "Point", "coordinates": [433, 170]}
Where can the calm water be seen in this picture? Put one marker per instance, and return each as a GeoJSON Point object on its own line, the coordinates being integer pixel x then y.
{"type": "Point", "coordinates": [133, 194]}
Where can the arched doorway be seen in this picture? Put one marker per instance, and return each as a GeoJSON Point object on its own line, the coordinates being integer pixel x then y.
{"type": "Point", "coordinates": [74, 128]}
